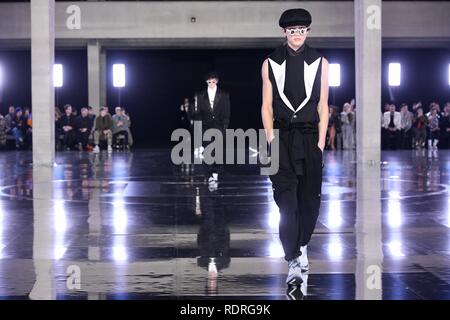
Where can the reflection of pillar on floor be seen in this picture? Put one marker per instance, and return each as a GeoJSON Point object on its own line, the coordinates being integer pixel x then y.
{"type": "Point", "coordinates": [42, 91]}
{"type": "Point", "coordinates": [369, 261]}
{"type": "Point", "coordinates": [95, 223]}
{"type": "Point", "coordinates": [43, 237]}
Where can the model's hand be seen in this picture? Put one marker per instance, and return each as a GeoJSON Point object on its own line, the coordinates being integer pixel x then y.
{"type": "Point", "coordinates": [321, 145]}
{"type": "Point", "coordinates": [269, 135]}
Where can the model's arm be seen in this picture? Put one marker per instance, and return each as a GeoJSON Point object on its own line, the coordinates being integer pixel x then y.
{"type": "Point", "coordinates": [226, 117]}
{"type": "Point", "coordinates": [266, 108]}
{"type": "Point", "coordinates": [322, 107]}
{"type": "Point", "coordinates": [198, 111]}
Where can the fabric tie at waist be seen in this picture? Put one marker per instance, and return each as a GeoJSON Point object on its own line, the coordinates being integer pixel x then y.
{"type": "Point", "coordinates": [300, 137]}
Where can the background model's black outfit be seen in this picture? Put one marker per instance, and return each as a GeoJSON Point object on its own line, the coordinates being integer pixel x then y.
{"type": "Point", "coordinates": [217, 117]}
{"type": "Point", "coordinates": [296, 81]}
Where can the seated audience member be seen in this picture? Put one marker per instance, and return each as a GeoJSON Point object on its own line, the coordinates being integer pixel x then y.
{"type": "Point", "coordinates": [83, 129]}
{"type": "Point", "coordinates": [444, 124]}
{"type": "Point", "coordinates": [103, 129]}
{"type": "Point", "coordinates": [420, 122]}
{"type": "Point", "coordinates": [434, 129]}
{"type": "Point", "coordinates": [91, 115]}
{"type": "Point", "coordinates": [58, 114]}
{"type": "Point", "coordinates": [406, 118]}
{"type": "Point", "coordinates": [2, 132]}
{"type": "Point", "coordinates": [334, 127]}
{"type": "Point", "coordinates": [120, 125]}
{"type": "Point", "coordinates": [9, 118]}
{"type": "Point", "coordinates": [29, 133]}
{"type": "Point", "coordinates": [392, 126]}
{"type": "Point", "coordinates": [130, 136]}
{"type": "Point", "coordinates": [19, 128]}
{"type": "Point", "coordinates": [66, 126]}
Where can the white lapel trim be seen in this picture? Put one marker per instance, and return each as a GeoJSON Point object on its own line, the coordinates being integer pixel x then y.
{"type": "Point", "coordinates": [310, 72]}
{"type": "Point", "coordinates": [279, 73]}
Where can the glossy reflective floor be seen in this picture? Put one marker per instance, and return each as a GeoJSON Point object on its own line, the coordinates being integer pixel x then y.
{"type": "Point", "coordinates": [134, 226]}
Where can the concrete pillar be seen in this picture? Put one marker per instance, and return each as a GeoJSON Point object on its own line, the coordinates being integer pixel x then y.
{"type": "Point", "coordinates": [368, 80]}
{"type": "Point", "coordinates": [368, 229]}
{"type": "Point", "coordinates": [43, 94]}
{"type": "Point", "coordinates": [96, 75]}
{"type": "Point", "coordinates": [103, 79]}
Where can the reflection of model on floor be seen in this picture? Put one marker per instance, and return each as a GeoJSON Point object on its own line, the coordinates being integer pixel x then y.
{"type": "Point", "coordinates": [213, 238]}
{"type": "Point", "coordinates": [298, 292]}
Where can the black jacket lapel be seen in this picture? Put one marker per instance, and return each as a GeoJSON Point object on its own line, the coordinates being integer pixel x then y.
{"type": "Point", "coordinates": [217, 98]}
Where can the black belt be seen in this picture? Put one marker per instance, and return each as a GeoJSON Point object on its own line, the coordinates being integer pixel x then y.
{"type": "Point", "coordinates": [303, 127]}
{"type": "Point", "coordinates": [298, 137]}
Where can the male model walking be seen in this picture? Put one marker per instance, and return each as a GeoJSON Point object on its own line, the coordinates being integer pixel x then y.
{"type": "Point", "coordinates": [214, 112]}
{"type": "Point", "coordinates": [295, 101]}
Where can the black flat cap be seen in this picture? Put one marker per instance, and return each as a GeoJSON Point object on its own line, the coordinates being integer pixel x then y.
{"type": "Point", "coordinates": [295, 17]}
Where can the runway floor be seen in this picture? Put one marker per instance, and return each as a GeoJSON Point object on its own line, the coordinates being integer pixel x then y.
{"type": "Point", "coordinates": [135, 226]}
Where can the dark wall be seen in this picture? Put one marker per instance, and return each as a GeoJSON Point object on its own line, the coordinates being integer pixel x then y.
{"type": "Point", "coordinates": [424, 76]}
{"type": "Point", "coordinates": [158, 80]}
{"type": "Point", "coordinates": [346, 91]}
{"type": "Point", "coordinates": [75, 85]}
{"type": "Point", "coordinates": [16, 89]}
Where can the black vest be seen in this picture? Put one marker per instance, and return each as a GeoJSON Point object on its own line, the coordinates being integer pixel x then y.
{"type": "Point", "coordinates": [295, 94]}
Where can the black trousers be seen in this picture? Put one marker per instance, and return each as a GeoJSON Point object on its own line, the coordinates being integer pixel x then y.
{"type": "Point", "coordinates": [297, 188]}
{"type": "Point", "coordinates": [69, 139]}
{"type": "Point", "coordinates": [125, 133]}
{"type": "Point", "coordinates": [406, 139]}
{"type": "Point", "coordinates": [216, 167]}
{"type": "Point", "coordinates": [83, 138]}
{"type": "Point", "coordinates": [391, 139]}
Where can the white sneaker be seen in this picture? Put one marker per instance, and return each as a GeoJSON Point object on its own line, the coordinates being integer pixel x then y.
{"type": "Point", "coordinates": [96, 149]}
{"type": "Point", "coordinates": [304, 263]}
{"type": "Point", "coordinates": [109, 149]}
{"type": "Point", "coordinates": [294, 277]}
{"type": "Point", "coordinates": [213, 178]}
